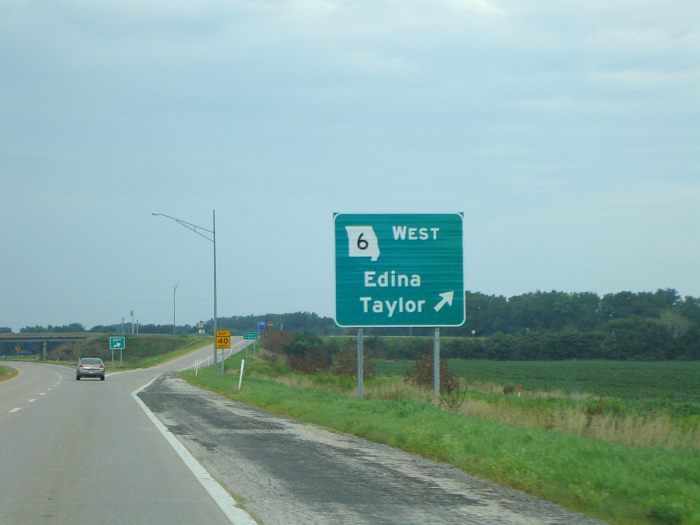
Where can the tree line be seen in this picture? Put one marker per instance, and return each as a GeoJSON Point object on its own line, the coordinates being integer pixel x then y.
{"type": "Point", "coordinates": [537, 325]}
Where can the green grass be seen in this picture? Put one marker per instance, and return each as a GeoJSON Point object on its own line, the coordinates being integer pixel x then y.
{"type": "Point", "coordinates": [620, 484]}
{"type": "Point", "coordinates": [142, 351]}
{"type": "Point", "coordinates": [6, 373]}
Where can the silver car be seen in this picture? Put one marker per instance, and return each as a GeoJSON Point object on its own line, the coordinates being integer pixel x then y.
{"type": "Point", "coordinates": [90, 367]}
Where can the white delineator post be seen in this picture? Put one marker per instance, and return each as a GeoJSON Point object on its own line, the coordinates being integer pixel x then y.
{"type": "Point", "coordinates": [240, 377]}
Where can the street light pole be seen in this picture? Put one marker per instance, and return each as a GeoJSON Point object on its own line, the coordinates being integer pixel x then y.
{"type": "Point", "coordinates": [174, 290]}
{"type": "Point", "coordinates": [213, 232]}
{"type": "Point", "coordinates": [211, 238]}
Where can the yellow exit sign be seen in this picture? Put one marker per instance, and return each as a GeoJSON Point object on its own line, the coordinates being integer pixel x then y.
{"type": "Point", "coordinates": [223, 339]}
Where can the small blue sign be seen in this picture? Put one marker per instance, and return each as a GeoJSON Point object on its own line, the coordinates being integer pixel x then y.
{"type": "Point", "coordinates": [261, 325]}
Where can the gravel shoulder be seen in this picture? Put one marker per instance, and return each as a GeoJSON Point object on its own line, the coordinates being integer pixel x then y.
{"type": "Point", "coordinates": [283, 472]}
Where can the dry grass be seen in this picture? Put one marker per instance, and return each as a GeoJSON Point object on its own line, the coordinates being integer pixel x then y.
{"type": "Point", "coordinates": [635, 431]}
{"type": "Point", "coordinates": [397, 390]}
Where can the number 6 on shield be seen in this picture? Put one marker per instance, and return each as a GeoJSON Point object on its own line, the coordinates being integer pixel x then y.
{"type": "Point", "coordinates": [362, 242]}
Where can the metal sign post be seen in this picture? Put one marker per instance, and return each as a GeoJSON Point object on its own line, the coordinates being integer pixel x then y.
{"type": "Point", "coordinates": [250, 336]}
{"type": "Point", "coordinates": [436, 363]}
{"type": "Point", "coordinates": [360, 364]}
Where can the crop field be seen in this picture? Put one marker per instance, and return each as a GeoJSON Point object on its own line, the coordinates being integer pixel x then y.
{"type": "Point", "coordinates": [672, 386]}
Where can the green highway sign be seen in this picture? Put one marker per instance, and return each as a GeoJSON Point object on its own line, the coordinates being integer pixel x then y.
{"type": "Point", "coordinates": [117, 343]}
{"type": "Point", "coordinates": [399, 270]}
{"type": "Point", "coordinates": [250, 335]}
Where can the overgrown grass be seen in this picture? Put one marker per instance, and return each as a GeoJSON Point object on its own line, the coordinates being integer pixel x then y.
{"type": "Point", "coordinates": [7, 372]}
{"type": "Point", "coordinates": [656, 406]}
{"type": "Point", "coordinates": [142, 351]}
{"type": "Point", "coordinates": [621, 484]}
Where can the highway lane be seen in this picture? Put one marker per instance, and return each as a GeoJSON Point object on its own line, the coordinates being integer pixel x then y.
{"type": "Point", "coordinates": [85, 452]}
{"type": "Point", "coordinates": [18, 393]}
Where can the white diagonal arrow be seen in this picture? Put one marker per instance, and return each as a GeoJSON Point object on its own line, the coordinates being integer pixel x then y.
{"type": "Point", "coordinates": [447, 298]}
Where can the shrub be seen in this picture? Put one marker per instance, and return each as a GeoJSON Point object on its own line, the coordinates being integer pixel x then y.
{"type": "Point", "coordinates": [276, 341]}
{"type": "Point", "coordinates": [306, 353]}
{"type": "Point", "coordinates": [509, 390]}
{"type": "Point", "coordinates": [345, 362]}
{"type": "Point", "coordinates": [312, 361]}
{"type": "Point", "coordinates": [421, 374]}
{"type": "Point", "coordinates": [454, 400]}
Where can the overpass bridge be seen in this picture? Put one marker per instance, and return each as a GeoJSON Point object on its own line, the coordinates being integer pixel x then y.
{"type": "Point", "coordinates": [40, 343]}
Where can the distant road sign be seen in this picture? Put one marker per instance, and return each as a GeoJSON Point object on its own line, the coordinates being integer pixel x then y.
{"type": "Point", "coordinates": [261, 325]}
{"type": "Point", "coordinates": [117, 343]}
{"type": "Point", "coordinates": [223, 339]}
{"type": "Point", "coordinates": [399, 270]}
{"type": "Point", "coordinates": [250, 335]}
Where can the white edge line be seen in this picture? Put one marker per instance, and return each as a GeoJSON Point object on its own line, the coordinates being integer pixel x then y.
{"type": "Point", "coordinates": [223, 499]}
{"type": "Point", "coordinates": [16, 409]}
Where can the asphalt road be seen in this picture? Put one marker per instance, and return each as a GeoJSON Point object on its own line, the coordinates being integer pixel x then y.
{"type": "Point", "coordinates": [78, 452]}
{"type": "Point", "coordinates": [286, 472]}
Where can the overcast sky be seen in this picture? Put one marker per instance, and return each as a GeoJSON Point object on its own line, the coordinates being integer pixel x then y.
{"type": "Point", "coordinates": [567, 132]}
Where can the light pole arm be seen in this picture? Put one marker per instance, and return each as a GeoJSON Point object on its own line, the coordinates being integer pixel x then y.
{"type": "Point", "coordinates": [193, 227]}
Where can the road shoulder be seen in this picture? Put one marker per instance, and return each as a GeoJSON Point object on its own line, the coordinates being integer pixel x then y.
{"type": "Point", "coordinates": [288, 472]}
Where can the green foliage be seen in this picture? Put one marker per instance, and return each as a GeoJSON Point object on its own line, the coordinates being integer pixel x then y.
{"type": "Point", "coordinates": [305, 353]}
{"type": "Point", "coordinates": [276, 365]}
{"type": "Point", "coordinates": [633, 338]}
{"type": "Point", "coordinates": [69, 328]}
{"type": "Point", "coordinates": [345, 362]}
{"type": "Point", "coordinates": [637, 338]}
{"type": "Point", "coordinates": [454, 399]}
{"type": "Point", "coordinates": [302, 343]}
{"type": "Point", "coordinates": [422, 374]}
{"type": "Point", "coordinates": [289, 322]}
{"type": "Point", "coordinates": [276, 341]}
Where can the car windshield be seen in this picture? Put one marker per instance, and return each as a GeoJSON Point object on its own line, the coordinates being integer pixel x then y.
{"type": "Point", "coordinates": [91, 361]}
